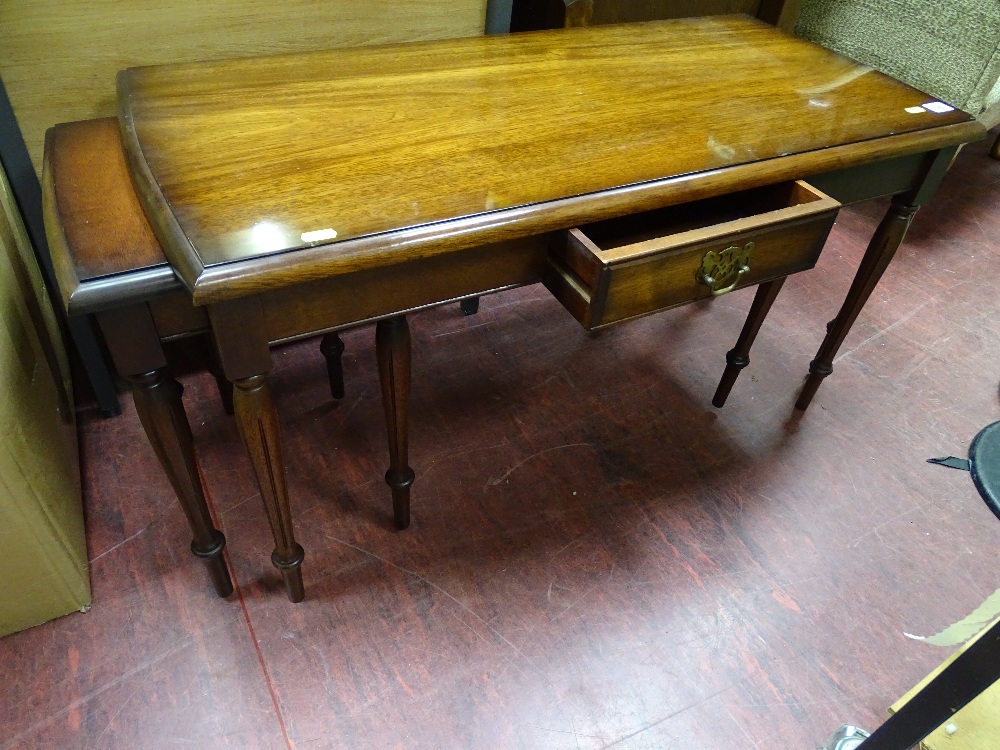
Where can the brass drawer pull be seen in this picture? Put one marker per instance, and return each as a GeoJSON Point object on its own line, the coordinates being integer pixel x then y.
{"type": "Point", "coordinates": [722, 271]}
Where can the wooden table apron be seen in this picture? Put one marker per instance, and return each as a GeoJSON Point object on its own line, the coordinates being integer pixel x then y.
{"type": "Point", "coordinates": [433, 241]}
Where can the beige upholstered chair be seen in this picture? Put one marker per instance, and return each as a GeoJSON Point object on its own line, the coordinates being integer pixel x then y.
{"type": "Point", "coordinates": [950, 50]}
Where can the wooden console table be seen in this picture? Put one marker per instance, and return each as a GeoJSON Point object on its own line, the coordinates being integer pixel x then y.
{"type": "Point", "coordinates": [302, 193]}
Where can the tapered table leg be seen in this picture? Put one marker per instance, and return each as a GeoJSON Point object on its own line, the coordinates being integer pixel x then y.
{"type": "Point", "coordinates": [739, 356]}
{"type": "Point", "coordinates": [392, 344]}
{"type": "Point", "coordinates": [257, 419]}
{"type": "Point", "coordinates": [332, 349]}
{"type": "Point", "coordinates": [880, 252]}
{"type": "Point", "coordinates": [158, 403]}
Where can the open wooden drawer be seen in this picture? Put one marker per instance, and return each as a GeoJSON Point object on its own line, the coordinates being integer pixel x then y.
{"type": "Point", "coordinates": [622, 268]}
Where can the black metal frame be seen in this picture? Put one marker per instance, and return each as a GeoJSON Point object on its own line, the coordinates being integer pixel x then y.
{"type": "Point", "coordinates": [970, 674]}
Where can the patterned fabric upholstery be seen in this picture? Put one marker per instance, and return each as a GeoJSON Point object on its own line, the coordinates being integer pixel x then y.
{"type": "Point", "coordinates": [949, 49]}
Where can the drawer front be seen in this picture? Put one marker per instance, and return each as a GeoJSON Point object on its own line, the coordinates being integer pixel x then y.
{"type": "Point", "coordinates": [603, 287]}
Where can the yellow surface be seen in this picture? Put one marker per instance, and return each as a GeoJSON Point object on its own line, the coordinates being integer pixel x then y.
{"type": "Point", "coordinates": [59, 57]}
{"type": "Point", "coordinates": [43, 553]}
{"type": "Point", "coordinates": [977, 725]}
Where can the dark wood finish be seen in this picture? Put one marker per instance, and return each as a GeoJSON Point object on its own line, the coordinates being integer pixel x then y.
{"type": "Point", "coordinates": [104, 252]}
{"type": "Point", "coordinates": [392, 342]}
{"type": "Point", "coordinates": [995, 150]}
{"type": "Point", "coordinates": [418, 283]}
{"type": "Point", "coordinates": [739, 356]}
{"type": "Point", "coordinates": [382, 184]}
{"type": "Point", "coordinates": [620, 269]}
{"type": "Point", "coordinates": [883, 246]}
{"type": "Point", "coordinates": [222, 383]}
{"type": "Point", "coordinates": [332, 349]}
{"type": "Point", "coordinates": [246, 361]}
{"type": "Point", "coordinates": [105, 226]}
{"type": "Point", "coordinates": [137, 355]}
{"type": "Point", "coordinates": [783, 14]}
{"type": "Point", "coordinates": [881, 249]}
{"type": "Point", "coordinates": [876, 179]}
{"type": "Point", "coordinates": [158, 403]}
{"type": "Point", "coordinates": [258, 422]}
{"type": "Point", "coordinates": [534, 15]}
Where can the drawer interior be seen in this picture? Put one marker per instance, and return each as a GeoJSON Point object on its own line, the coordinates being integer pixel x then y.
{"type": "Point", "coordinates": [649, 225]}
{"type": "Point", "coordinates": [620, 268]}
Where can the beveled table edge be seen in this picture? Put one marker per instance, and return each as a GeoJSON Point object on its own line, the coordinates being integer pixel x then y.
{"type": "Point", "coordinates": [98, 293]}
{"type": "Point", "coordinates": [227, 281]}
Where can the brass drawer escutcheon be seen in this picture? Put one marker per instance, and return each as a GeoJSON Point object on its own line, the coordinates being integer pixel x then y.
{"type": "Point", "coordinates": [722, 271]}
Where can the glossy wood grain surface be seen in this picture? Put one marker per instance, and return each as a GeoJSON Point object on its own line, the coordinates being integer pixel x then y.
{"type": "Point", "coordinates": [102, 218]}
{"type": "Point", "coordinates": [508, 135]}
{"type": "Point", "coordinates": [103, 250]}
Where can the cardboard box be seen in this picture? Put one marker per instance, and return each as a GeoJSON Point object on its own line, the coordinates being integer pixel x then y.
{"type": "Point", "coordinates": [43, 552]}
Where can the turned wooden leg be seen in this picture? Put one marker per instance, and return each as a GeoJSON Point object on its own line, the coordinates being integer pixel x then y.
{"type": "Point", "coordinates": [470, 305]}
{"type": "Point", "coordinates": [257, 419]}
{"type": "Point", "coordinates": [332, 349]}
{"type": "Point", "coordinates": [158, 402]}
{"type": "Point", "coordinates": [739, 356]}
{"type": "Point", "coordinates": [134, 344]}
{"type": "Point", "coordinates": [881, 250]}
{"type": "Point", "coordinates": [392, 344]}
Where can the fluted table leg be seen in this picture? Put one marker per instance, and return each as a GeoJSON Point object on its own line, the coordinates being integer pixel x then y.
{"type": "Point", "coordinates": [257, 419]}
{"type": "Point", "coordinates": [134, 345]}
{"type": "Point", "coordinates": [158, 403]}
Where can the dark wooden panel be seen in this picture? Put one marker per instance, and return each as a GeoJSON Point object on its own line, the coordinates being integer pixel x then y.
{"type": "Point", "coordinates": [344, 300]}
{"type": "Point", "coordinates": [533, 15]}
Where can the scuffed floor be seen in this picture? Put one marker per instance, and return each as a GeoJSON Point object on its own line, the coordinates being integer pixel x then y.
{"type": "Point", "coordinates": [598, 557]}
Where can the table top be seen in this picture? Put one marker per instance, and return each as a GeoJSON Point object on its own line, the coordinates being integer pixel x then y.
{"type": "Point", "coordinates": [269, 171]}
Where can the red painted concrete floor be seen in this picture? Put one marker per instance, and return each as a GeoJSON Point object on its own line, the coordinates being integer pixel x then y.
{"type": "Point", "coordinates": [598, 558]}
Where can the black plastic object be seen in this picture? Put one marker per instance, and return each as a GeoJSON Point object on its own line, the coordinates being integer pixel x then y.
{"type": "Point", "coordinates": [984, 454]}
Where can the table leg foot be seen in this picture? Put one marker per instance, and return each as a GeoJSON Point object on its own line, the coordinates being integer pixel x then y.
{"type": "Point", "coordinates": [817, 372]}
{"type": "Point", "coordinates": [470, 305]}
{"type": "Point", "coordinates": [392, 345]}
{"type": "Point", "coordinates": [734, 364]}
{"type": "Point", "coordinates": [257, 419]}
{"type": "Point", "coordinates": [739, 356]}
{"type": "Point", "coordinates": [215, 563]}
{"type": "Point", "coordinates": [399, 484]}
{"type": "Point", "coordinates": [880, 251]}
{"type": "Point", "coordinates": [161, 412]}
{"type": "Point", "coordinates": [332, 348]}
{"type": "Point", "coordinates": [291, 573]}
